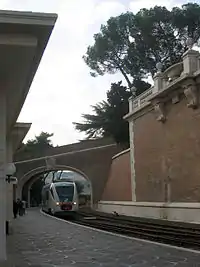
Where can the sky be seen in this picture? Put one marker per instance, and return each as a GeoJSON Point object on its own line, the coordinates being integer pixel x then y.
{"type": "Point", "coordinates": [63, 89]}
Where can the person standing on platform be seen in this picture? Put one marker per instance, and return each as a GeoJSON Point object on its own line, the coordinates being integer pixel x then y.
{"type": "Point", "coordinates": [15, 209]}
{"type": "Point", "coordinates": [19, 203]}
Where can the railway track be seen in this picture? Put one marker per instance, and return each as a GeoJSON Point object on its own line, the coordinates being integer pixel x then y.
{"type": "Point", "coordinates": [174, 233]}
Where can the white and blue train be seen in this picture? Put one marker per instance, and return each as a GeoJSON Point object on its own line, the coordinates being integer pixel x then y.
{"type": "Point", "coordinates": [60, 198]}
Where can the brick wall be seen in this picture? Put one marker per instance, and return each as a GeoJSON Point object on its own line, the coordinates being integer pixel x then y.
{"type": "Point", "coordinates": [169, 150]}
{"type": "Point", "coordinates": [23, 154]}
{"type": "Point", "coordinates": [95, 164]}
{"type": "Point", "coordinates": [118, 186]}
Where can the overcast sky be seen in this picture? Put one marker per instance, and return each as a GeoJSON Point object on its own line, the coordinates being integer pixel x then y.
{"type": "Point", "coordinates": [63, 88]}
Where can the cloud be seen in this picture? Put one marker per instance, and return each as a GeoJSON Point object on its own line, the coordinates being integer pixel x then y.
{"type": "Point", "coordinates": [136, 5]}
{"type": "Point", "coordinates": [106, 9]}
{"type": "Point", "coordinates": [63, 88]}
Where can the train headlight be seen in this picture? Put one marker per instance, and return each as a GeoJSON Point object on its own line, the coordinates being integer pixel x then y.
{"type": "Point", "coordinates": [74, 203]}
{"type": "Point", "coordinates": [57, 203]}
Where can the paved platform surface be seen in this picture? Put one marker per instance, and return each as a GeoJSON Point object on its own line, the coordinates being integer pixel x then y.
{"type": "Point", "coordinates": [40, 241]}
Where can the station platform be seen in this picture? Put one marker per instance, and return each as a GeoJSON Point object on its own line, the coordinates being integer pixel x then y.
{"type": "Point", "coordinates": [42, 241]}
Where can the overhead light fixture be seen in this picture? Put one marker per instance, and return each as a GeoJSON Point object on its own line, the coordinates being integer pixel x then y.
{"type": "Point", "coordinates": [10, 170]}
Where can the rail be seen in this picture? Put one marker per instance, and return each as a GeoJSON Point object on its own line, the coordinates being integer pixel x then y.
{"type": "Point", "coordinates": [174, 233]}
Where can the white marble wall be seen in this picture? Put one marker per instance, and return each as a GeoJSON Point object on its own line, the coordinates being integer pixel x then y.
{"type": "Point", "coordinates": [2, 175]}
{"type": "Point", "coordinates": [185, 212]}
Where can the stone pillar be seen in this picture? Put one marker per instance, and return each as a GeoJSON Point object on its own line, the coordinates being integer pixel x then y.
{"type": "Point", "coordinates": [158, 82]}
{"type": "Point", "coordinates": [190, 61]}
{"type": "Point", "coordinates": [2, 177]}
{"type": "Point", "coordinates": [130, 101]}
{"type": "Point", "coordinates": [158, 79]}
{"type": "Point", "coordinates": [132, 160]}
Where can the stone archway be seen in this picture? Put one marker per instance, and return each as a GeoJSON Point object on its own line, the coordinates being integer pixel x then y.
{"type": "Point", "coordinates": [92, 160]}
{"type": "Point", "coordinates": [34, 174]}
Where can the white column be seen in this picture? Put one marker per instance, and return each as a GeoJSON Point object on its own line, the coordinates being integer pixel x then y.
{"type": "Point", "coordinates": [2, 177]}
{"type": "Point", "coordinates": [9, 158]}
{"type": "Point", "coordinates": [132, 160]}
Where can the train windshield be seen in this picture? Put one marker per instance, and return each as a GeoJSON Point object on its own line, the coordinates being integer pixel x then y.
{"type": "Point", "coordinates": [65, 193]}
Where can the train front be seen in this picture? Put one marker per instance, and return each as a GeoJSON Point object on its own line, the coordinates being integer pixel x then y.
{"type": "Point", "coordinates": [67, 198]}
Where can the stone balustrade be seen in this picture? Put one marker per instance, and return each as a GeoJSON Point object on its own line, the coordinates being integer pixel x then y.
{"type": "Point", "coordinates": [139, 101]}
{"type": "Point", "coordinates": [189, 66]}
{"type": "Point", "coordinates": [172, 73]}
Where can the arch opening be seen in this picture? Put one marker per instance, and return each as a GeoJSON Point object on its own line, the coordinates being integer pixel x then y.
{"type": "Point", "coordinates": [30, 185]}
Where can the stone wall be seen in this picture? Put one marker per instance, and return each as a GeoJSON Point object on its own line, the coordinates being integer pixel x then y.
{"type": "Point", "coordinates": [165, 134]}
{"type": "Point", "coordinates": [118, 186]}
{"type": "Point", "coordinates": [23, 154]}
{"type": "Point", "coordinates": [170, 150]}
{"type": "Point", "coordinates": [185, 212]}
{"type": "Point", "coordinates": [93, 162]}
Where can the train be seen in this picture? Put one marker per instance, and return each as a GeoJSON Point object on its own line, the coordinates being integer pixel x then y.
{"type": "Point", "coordinates": [60, 198]}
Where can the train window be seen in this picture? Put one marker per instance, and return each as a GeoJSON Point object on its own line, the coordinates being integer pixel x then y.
{"type": "Point", "coordinates": [65, 193]}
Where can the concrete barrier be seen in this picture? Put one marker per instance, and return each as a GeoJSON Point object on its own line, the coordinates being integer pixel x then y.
{"type": "Point", "coordinates": [184, 212]}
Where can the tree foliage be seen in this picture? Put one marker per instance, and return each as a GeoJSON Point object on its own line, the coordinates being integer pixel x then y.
{"type": "Point", "coordinates": [133, 43]}
{"type": "Point", "coordinates": [35, 147]}
{"type": "Point", "coordinates": [107, 118]}
{"type": "Point", "coordinates": [93, 124]}
{"type": "Point", "coordinates": [41, 140]}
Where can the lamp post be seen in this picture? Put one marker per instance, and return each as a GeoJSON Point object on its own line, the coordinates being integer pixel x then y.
{"type": "Point", "coordinates": [10, 170]}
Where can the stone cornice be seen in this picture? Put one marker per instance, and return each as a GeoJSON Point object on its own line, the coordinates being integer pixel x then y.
{"type": "Point", "coordinates": [22, 17]}
{"type": "Point", "coordinates": [172, 91]}
{"type": "Point", "coordinates": [139, 112]}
